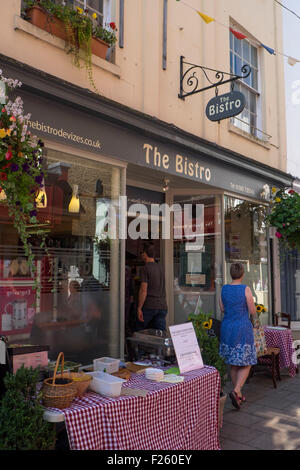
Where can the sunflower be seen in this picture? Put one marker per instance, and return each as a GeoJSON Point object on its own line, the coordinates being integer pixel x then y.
{"type": "Point", "coordinates": [260, 308]}
{"type": "Point", "coordinates": [207, 325]}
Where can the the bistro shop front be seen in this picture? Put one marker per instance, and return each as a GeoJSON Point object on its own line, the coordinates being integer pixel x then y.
{"type": "Point", "coordinates": [95, 152]}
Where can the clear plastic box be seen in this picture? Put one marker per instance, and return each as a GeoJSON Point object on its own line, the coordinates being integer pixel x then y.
{"type": "Point", "coordinates": [106, 384]}
{"type": "Point", "coordinates": [108, 363]}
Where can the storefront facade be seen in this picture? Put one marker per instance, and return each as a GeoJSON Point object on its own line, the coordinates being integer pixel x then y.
{"type": "Point", "coordinates": [97, 151]}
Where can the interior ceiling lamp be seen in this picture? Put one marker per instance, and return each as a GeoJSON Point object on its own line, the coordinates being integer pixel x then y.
{"type": "Point", "coordinates": [41, 199]}
{"type": "Point", "coordinates": [2, 195]}
{"type": "Point", "coordinates": [74, 205]}
{"type": "Point", "coordinates": [166, 185]}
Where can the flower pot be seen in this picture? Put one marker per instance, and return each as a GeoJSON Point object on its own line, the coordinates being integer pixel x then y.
{"type": "Point", "coordinates": [221, 409]}
{"type": "Point", "coordinates": [39, 17]}
{"type": "Point", "coordinates": [99, 47]}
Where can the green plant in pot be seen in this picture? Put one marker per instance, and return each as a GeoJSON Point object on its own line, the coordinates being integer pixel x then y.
{"type": "Point", "coordinates": [22, 426]}
{"type": "Point", "coordinates": [209, 344]}
{"type": "Point", "coordinates": [76, 26]}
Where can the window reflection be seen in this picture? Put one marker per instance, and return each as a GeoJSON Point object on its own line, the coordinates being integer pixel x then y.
{"type": "Point", "coordinates": [77, 311]}
{"type": "Point", "coordinates": [246, 241]}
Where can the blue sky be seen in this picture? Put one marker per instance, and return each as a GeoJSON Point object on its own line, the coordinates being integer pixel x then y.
{"type": "Point", "coordinates": [291, 47]}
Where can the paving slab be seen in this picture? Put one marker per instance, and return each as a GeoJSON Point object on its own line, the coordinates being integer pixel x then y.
{"type": "Point", "coordinates": [269, 420]}
{"type": "Point", "coordinates": [228, 444]}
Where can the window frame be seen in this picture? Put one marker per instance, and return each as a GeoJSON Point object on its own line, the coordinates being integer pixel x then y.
{"type": "Point", "coordinates": [253, 128]}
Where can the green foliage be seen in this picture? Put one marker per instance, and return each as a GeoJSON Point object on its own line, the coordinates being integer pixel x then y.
{"type": "Point", "coordinates": [80, 28]}
{"type": "Point", "coordinates": [105, 34]}
{"type": "Point", "coordinates": [209, 344]}
{"type": "Point", "coordinates": [284, 215]}
{"type": "Point", "coordinates": [21, 171]}
{"type": "Point", "coordinates": [22, 426]}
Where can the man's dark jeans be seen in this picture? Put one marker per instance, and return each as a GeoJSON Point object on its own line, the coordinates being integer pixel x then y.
{"type": "Point", "coordinates": [153, 318]}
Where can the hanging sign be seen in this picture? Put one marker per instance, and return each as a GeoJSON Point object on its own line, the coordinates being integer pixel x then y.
{"type": "Point", "coordinates": [225, 106]}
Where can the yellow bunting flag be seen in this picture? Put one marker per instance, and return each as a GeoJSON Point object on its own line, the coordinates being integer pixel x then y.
{"type": "Point", "coordinates": [205, 18]}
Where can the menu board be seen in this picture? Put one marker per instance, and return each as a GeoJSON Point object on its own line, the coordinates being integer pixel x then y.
{"type": "Point", "coordinates": [186, 347]}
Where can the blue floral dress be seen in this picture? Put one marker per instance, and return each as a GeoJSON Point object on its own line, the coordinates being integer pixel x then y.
{"type": "Point", "coordinates": [237, 340]}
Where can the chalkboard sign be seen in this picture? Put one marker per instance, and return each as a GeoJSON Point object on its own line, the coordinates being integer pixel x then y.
{"type": "Point", "coordinates": [225, 106]}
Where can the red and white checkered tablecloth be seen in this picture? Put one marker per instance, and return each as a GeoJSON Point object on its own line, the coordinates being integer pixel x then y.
{"type": "Point", "coordinates": [180, 416]}
{"type": "Point", "coordinates": [283, 340]}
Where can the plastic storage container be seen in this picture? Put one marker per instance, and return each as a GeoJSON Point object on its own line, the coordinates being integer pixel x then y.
{"type": "Point", "coordinates": [106, 384]}
{"type": "Point", "coordinates": [108, 363]}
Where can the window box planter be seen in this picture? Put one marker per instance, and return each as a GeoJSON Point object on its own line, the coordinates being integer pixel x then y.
{"type": "Point", "coordinates": [39, 17]}
{"type": "Point", "coordinates": [99, 47]}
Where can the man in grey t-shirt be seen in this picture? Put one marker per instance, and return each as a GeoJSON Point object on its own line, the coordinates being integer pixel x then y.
{"type": "Point", "coordinates": [152, 305]}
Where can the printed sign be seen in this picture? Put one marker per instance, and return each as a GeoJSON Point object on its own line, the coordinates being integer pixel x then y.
{"type": "Point", "coordinates": [225, 106]}
{"type": "Point", "coordinates": [186, 347]}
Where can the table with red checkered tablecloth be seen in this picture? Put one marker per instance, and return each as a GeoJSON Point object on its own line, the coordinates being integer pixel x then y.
{"type": "Point", "coordinates": [182, 416]}
{"type": "Point", "coordinates": [282, 339]}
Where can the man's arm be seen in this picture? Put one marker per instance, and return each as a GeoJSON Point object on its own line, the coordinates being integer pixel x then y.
{"type": "Point", "coordinates": [142, 298]}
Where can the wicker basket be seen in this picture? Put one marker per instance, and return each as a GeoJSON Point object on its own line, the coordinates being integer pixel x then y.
{"type": "Point", "coordinates": [81, 380]}
{"type": "Point", "coordinates": [58, 392]}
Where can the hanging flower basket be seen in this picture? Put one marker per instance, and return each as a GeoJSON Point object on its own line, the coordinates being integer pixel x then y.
{"type": "Point", "coordinates": [284, 215]}
{"type": "Point", "coordinates": [21, 171]}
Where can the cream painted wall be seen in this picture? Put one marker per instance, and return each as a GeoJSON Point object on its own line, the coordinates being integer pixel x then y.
{"type": "Point", "coordinates": [145, 86]}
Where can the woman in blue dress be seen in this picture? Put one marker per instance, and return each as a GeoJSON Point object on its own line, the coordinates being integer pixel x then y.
{"type": "Point", "coordinates": [237, 340]}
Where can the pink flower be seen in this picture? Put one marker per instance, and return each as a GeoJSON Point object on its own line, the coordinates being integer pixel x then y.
{"type": "Point", "coordinates": [283, 225]}
{"type": "Point", "coordinates": [8, 155]}
{"type": "Point", "coordinates": [291, 191]}
{"type": "Point", "coordinates": [278, 235]}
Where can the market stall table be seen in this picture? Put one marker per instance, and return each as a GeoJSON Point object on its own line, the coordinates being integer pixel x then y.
{"type": "Point", "coordinates": [279, 337]}
{"type": "Point", "coordinates": [181, 416]}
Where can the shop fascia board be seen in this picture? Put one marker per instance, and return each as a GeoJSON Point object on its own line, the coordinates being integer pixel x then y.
{"type": "Point", "coordinates": [48, 86]}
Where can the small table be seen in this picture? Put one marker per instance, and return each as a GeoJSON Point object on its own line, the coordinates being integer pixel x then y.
{"type": "Point", "coordinates": [181, 416]}
{"type": "Point", "coordinates": [279, 337]}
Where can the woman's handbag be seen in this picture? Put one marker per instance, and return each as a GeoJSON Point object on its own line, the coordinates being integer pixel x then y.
{"type": "Point", "coordinates": [259, 337]}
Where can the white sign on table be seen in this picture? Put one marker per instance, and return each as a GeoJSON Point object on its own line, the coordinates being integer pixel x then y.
{"type": "Point", "coordinates": [186, 347]}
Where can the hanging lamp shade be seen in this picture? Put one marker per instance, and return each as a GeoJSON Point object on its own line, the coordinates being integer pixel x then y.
{"type": "Point", "coordinates": [41, 199]}
{"type": "Point", "coordinates": [74, 205]}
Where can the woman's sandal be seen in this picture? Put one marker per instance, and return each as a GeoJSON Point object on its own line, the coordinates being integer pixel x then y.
{"type": "Point", "coordinates": [243, 399]}
{"type": "Point", "coordinates": [235, 399]}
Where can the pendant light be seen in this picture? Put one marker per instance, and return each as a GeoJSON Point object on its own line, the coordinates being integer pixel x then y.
{"type": "Point", "coordinates": [41, 199]}
{"type": "Point", "coordinates": [2, 195]}
{"type": "Point", "coordinates": [74, 205]}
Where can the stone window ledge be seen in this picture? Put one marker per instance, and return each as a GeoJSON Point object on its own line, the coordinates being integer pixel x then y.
{"type": "Point", "coordinates": [246, 135]}
{"type": "Point", "coordinates": [22, 25]}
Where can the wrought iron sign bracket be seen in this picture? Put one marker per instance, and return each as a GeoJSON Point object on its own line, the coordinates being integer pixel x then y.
{"type": "Point", "coordinates": [190, 75]}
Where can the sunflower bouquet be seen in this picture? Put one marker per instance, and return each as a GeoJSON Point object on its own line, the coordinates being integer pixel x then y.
{"type": "Point", "coordinates": [260, 308]}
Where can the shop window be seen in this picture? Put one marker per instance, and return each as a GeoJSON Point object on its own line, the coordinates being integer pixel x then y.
{"type": "Point", "coordinates": [197, 258]}
{"type": "Point", "coordinates": [246, 242]}
{"type": "Point", "coordinates": [77, 311]}
{"type": "Point", "coordinates": [243, 52]}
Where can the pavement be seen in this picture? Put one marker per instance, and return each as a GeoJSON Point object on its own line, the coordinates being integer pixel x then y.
{"type": "Point", "coordinates": [269, 420]}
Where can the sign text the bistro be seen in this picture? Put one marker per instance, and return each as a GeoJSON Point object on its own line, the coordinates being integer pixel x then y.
{"type": "Point", "coordinates": [225, 106]}
{"type": "Point", "coordinates": [183, 165]}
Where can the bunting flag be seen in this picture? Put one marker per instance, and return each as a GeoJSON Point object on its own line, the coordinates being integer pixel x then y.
{"type": "Point", "coordinates": [269, 49]}
{"type": "Point", "coordinates": [238, 35]}
{"type": "Point", "coordinates": [205, 18]}
{"type": "Point", "coordinates": [292, 61]}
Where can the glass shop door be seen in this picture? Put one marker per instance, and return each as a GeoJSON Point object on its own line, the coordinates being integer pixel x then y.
{"type": "Point", "coordinates": [197, 255]}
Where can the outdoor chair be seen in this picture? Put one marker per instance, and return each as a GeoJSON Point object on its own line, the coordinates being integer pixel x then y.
{"type": "Point", "coordinates": [286, 317]}
{"type": "Point", "coordinates": [270, 359]}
